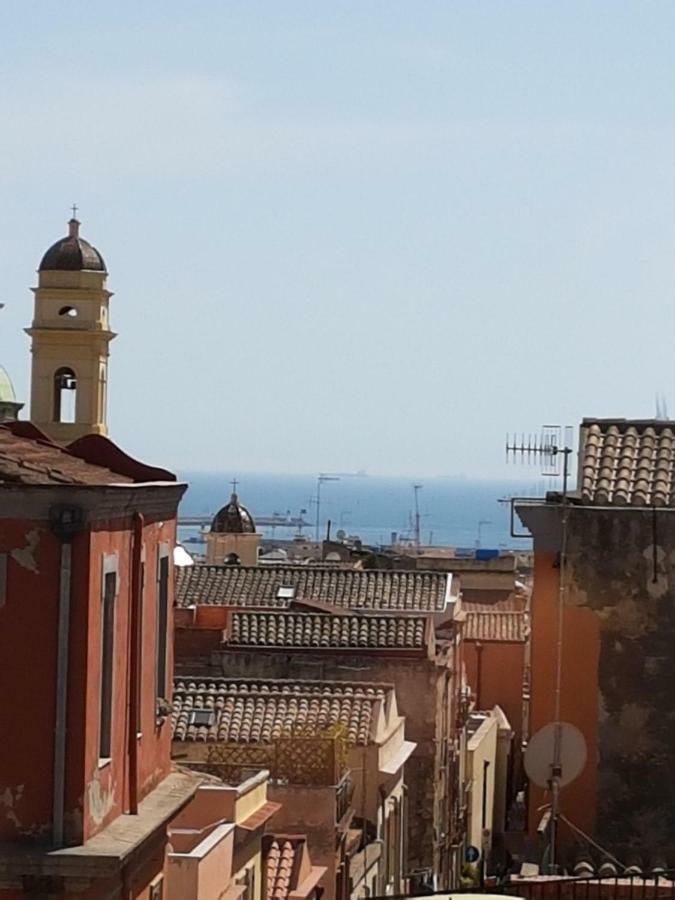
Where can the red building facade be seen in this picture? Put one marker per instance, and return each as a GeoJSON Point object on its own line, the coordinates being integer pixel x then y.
{"type": "Point", "coordinates": [86, 597]}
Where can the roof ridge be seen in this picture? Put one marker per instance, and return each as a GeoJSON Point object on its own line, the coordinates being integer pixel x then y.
{"type": "Point", "coordinates": [304, 684]}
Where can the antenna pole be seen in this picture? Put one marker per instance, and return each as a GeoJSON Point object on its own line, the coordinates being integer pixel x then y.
{"type": "Point", "coordinates": [417, 488]}
{"type": "Point", "coordinates": [556, 768]}
{"type": "Point", "coordinates": [323, 476]}
{"type": "Point", "coordinates": [549, 447]}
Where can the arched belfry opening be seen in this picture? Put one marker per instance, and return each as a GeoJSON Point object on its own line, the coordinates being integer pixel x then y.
{"type": "Point", "coordinates": [65, 395]}
{"type": "Point", "coordinates": [70, 335]}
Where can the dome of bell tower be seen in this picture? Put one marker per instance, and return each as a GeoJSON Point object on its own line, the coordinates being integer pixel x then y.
{"type": "Point", "coordinates": [233, 518]}
{"type": "Point", "coordinates": [72, 254]}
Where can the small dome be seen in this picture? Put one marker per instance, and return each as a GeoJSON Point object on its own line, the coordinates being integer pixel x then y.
{"type": "Point", "coordinates": [7, 394]}
{"type": "Point", "coordinates": [233, 519]}
{"type": "Point", "coordinates": [72, 254]}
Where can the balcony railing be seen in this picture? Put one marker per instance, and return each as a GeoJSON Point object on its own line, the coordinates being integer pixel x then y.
{"type": "Point", "coordinates": [343, 797]}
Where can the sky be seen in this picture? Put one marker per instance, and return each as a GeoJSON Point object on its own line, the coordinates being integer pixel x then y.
{"type": "Point", "coordinates": [350, 235]}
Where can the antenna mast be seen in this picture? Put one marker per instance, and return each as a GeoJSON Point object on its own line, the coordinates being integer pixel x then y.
{"type": "Point", "coordinates": [417, 488]}
{"type": "Point", "coordinates": [549, 447]}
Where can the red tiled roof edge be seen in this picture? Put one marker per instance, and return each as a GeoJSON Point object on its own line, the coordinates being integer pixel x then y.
{"type": "Point", "coordinates": [101, 451]}
{"type": "Point", "coordinates": [30, 432]}
{"type": "Point", "coordinates": [96, 450]}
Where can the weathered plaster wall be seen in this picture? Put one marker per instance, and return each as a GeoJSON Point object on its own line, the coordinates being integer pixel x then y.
{"type": "Point", "coordinates": [94, 795]}
{"type": "Point", "coordinates": [28, 623]}
{"type": "Point", "coordinates": [622, 569]}
{"type": "Point", "coordinates": [618, 668]}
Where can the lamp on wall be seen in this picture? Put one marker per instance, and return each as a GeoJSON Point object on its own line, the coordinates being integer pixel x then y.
{"type": "Point", "coordinates": [66, 520]}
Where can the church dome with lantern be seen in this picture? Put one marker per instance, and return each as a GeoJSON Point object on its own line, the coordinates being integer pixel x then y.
{"type": "Point", "coordinates": [233, 518]}
{"type": "Point", "coordinates": [72, 254]}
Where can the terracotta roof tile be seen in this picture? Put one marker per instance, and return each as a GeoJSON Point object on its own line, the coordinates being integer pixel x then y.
{"type": "Point", "coordinates": [258, 712]}
{"type": "Point", "coordinates": [31, 462]}
{"type": "Point", "coordinates": [508, 627]}
{"type": "Point", "coordinates": [281, 867]}
{"type": "Point", "coordinates": [513, 602]}
{"type": "Point", "coordinates": [284, 629]}
{"type": "Point", "coordinates": [627, 462]}
{"type": "Point", "coordinates": [351, 588]}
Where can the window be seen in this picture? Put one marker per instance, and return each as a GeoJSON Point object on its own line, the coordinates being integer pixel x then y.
{"type": "Point", "coordinates": [3, 579]}
{"type": "Point", "coordinates": [397, 866]}
{"type": "Point", "coordinates": [139, 654]}
{"type": "Point", "coordinates": [162, 623]}
{"type": "Point", "coordinates": [202, 717]}
{"type": "Point", "coordinates": [102, 391]}
{"type": "Point", "coordinates": [107, 661]}
{"type": "Point", "coordinates": [156, 891]}
{"type": "Point", "coordinates": [69, 311]}
{"type": "Point", "coordinates": [65, 395]}
{"type": "Point", "coordinates": [247, 878]}
{"type": "Point", "coordinates": [392, 841]}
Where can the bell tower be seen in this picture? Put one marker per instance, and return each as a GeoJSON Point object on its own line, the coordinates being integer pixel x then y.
{"type": "Point", "coordinates": [70, 334]}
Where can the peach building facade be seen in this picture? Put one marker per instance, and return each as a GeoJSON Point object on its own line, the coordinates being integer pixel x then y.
{"type": "Point", "coordinates": [335, 752]}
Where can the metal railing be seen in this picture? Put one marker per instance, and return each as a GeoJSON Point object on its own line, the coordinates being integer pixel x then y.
{"type": "Point", "coordinates": [657, 886]}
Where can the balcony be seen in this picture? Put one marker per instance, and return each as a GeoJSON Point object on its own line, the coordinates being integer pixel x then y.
{"type": "Point", "coordinates": [344, 793]}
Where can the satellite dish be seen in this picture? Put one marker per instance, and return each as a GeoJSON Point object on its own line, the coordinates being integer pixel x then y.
{"type": "Point", "coordinates": [540, 754]}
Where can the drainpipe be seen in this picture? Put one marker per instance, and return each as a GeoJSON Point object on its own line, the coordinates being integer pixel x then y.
{"type": "Point", "coordinates": [134, 659]}
{"type": "Point", "coordinates": [404, 839]}
{"type": "Point", "coordinates": [483, 821]}
{"type": "Point", "coordinates": [385, 845]}
{"type": "Point", "coordinates": [65, 522]}
{"type": "Point", "coordinates": [479, 673]}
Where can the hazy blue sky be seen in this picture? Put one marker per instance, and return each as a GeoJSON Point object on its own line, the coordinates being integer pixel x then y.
{"type": "Point", "coordinates": [349, 235]}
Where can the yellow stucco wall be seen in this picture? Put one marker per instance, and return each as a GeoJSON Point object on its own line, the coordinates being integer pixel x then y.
{"type": "Point", "coordinates": [78, 341]}
{"type": "Point", "coordinates": [219, 546]}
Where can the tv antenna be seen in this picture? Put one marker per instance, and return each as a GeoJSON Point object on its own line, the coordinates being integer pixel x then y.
{"type": "Point", "coordinates": [417, 488]}
{"type": "Point", "coordinates": [661, 407]}
{"type": "Point", "coordinates": [552, 449]}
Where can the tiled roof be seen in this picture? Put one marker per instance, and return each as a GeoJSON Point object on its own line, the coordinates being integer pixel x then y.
{"type": "Point", "coordinates": [285, 629]}
{"type": "Point", "coordinates": [27, 461]}
{"type": "Point", "coordinates": [516, 601]}
{"type": "Point", "coordinates": [281, 863]}
{"type": "Point", "coordinates": [627, 462]}
{"type": "Point", "coordinates": [258, 712]}
{"type": "Point", "coordinates": [351, 588]}
{"type": "Point", "coordinates": [511, 627]}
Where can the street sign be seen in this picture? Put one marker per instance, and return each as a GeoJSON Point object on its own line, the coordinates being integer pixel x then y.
{"type": "Point", "coordinates": [472, 854]}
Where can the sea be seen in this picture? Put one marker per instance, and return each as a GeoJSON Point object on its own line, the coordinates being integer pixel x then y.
{"type": "Point", "coordinates": [459, 512]}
